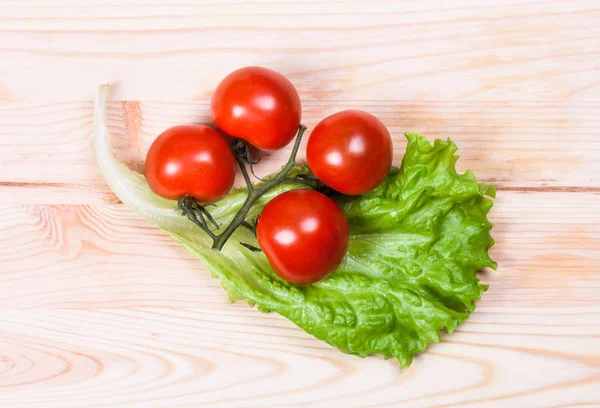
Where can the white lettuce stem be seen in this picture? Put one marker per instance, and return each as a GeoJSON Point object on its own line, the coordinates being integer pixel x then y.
{"type": "Point", "coordinates": [130, 187]}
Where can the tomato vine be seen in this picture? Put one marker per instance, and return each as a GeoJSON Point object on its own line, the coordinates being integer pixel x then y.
{"type": "Point", "coordinates": [199, 215]}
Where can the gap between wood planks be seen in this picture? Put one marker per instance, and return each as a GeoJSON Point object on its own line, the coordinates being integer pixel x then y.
{"type": "Point", "coordinates": [550, 189]}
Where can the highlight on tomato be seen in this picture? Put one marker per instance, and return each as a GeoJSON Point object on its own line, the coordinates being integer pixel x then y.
{"type": "Point", "coordinates": [191, 160]}
{"type": "Point", "coordinates": [258, 105]}
{"type": "Point", "coordinates": [304, 235]}
{"type": "Point", "coordinates": [350, 151]}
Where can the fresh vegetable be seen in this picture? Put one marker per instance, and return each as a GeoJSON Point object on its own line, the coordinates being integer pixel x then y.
{"type": "Point", "coordinates": [304, 235]}
{"type": "Point", "coordinates": [416, 243]}
{"type": "Point", "coordinates": [201, 217]}
{"type": "Point", "coordinates": [350, 151]}
{"type": "Point", "coordinates": [259, 106]}
{"type": "Point", "coordinates": [190, 160]}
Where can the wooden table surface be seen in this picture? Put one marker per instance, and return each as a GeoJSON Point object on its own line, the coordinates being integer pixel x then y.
{"type": "Point", "coordinates": [100, 309]}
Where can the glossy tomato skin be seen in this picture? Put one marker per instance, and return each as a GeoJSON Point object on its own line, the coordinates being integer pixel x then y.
{"type": "Point", "coordinates": [258, 105]}
{"type": "Point", "coordinates": [190, 159]}
{"type": "Point", "coordinates": [304, 235]}
{"type": "Point", "coordinates": [350, 151]}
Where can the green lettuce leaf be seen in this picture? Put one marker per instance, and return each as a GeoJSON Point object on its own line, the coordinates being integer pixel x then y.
{"type": "Point", "coordinates": [416, 244]}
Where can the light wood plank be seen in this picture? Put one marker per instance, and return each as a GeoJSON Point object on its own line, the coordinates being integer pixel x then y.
{"type": "Point", "coordinates": [104, 256]}
{"type": "Point", "coordinates": [46, 153]}
{"type": "Point", "coordinates": [99, 309]}
{"type": "Point", "coordinates": [240, 358]}
{"type": "Point", "coordinates": [414, 50]}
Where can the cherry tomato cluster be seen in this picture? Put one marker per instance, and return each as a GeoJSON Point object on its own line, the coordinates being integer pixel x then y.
{"type": "Point", "coordinates": [303, 233]}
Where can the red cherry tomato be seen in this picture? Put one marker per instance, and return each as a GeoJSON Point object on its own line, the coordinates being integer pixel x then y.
{"type": "Point", "coordinates": [190, 159]}
{"type": "Point", "coordinates": [304, 235]}
{"type": "Point", "coordinates": [350, 151]}
{"type": "Point", "coordinates": [259, 106]}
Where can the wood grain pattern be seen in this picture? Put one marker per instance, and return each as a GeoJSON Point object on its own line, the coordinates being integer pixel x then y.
{"type": "Point", "coordinates": [104, 256]}
{"type": "Point", "coordinates": [238, 357]}
{"type": "Point", "coordinates": [344, 50]}
{"type": "Point", "coordinates": [99, 309]}
{"type": "Point", "coordinates": [47, 155]}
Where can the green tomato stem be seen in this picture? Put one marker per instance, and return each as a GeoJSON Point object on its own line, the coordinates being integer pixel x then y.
{"type": "Point", "coordinates": [255, 193]}
{"type": "Point", "coordinates": [245, 174]}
